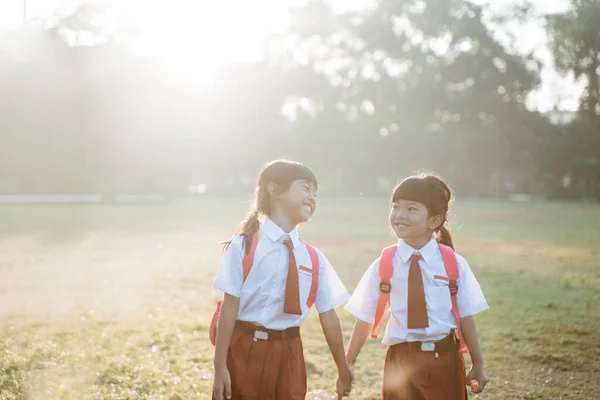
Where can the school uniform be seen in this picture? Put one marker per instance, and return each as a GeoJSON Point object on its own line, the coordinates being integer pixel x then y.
{"type": "Point", "coordinates": [412, 371]}
{"type": "Point", "coordinates": [268, 362]}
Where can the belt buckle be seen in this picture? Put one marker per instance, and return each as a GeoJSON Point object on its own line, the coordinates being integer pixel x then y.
{"type": "Point", "coordinates": [261, 335]}
{"type": "Point", "coordinates": [427, 346]}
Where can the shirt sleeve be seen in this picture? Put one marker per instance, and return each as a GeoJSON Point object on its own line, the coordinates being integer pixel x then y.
{"type": "Point", "coordinates": [230, 276]}
{"type": "Point", "coordinates": [332, 292]}
{"type": "Point", "coordinates": [470, 298]}
{"type": "Point", "coordinates": [363, 302]}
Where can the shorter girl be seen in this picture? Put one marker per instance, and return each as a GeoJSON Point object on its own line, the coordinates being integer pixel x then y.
{"type": "Point", "coordinates": [259, 354]}
{"type": "Point", "coordinates": [424, 360]}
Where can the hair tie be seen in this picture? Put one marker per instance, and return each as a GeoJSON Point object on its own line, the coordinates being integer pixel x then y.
{"type": "Point", "coordinates": [256, 212]}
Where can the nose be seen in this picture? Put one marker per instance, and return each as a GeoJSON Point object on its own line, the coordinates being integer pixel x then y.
{"type": "Point", "coordinates": [399, 214]}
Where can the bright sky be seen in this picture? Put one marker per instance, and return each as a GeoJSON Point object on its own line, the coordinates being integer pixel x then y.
{"type": "Point", "coordinates": [172, 27]}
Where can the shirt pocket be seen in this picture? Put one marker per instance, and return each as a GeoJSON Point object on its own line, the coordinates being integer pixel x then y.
{"type": "Point", "coordinates": [441, 281]}
{"type": "Point", "coordinates": [441, 301]}
{"type": "Point", "coordinates": [305, 281]}
{"type": "Point", "coordinates": [305, 272]}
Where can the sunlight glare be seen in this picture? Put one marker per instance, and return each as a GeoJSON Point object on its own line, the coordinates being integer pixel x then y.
{"type": "Point", "coordinates": [196, 38]}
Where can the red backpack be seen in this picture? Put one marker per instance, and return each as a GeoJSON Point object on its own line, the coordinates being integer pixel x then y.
{"type": "Point", "coordinates": [247, 263]}
{"type": "Point", "coordinates": [386, 269]}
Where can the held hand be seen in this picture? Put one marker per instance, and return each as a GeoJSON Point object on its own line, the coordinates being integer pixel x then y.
{"type": "Point", "coordinates": [344, 382]}
{"type": "Point", "coordinates": [477, 379]}
{"type": "Point", "coordinates": [222, 384]}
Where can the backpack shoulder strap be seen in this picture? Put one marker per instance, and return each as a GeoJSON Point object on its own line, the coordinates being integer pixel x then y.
{"type": "Point", "coordinates": [386, 269]}
{"type": "Point", "coordinates": [249, 257]}
{"type": "Point", "coordinates": [451, 265]}
{"type": "Point", "coordinates": [247, 262]}
{"type": "Point", "coordinates": [314, 285]}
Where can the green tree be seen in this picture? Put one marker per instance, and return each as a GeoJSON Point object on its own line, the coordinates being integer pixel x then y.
{"type": "Point", "coordinates": [425, 84]}
{"type": "Point", "coordinates": [575, 43]}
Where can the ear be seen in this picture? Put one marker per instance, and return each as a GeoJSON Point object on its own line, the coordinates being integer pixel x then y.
{"type": "Point", "coordinates": [273, 189]}
{"type": "Point", "coordinates": [435, 222]}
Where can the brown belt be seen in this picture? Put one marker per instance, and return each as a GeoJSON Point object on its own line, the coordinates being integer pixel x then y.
{"type": "Point", "coordinates": [261, 333]}
{"type": "Point", "coordinates": [448, 344]}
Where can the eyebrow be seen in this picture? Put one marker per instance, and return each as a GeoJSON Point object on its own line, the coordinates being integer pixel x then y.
{"type": "Point", "coordinates": [309, 183]}
{"type": "Point", "coordinates": [410, 203]}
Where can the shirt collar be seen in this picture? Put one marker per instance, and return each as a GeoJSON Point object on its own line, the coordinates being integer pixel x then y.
{"type": "Point", "coordinates": [405, 251]}
{"type": "Point", "coordinates": [275, 233]}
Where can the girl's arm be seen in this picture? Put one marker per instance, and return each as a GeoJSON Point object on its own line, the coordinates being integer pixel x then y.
{"type": "Point", "coordinates": [332, 330]}
{"type": "Point", "coordinates": [227, 317]}
{"type": "Point", "coordinates": [477, 373]}
{"type": "Point", "coordinates": [357, 340]}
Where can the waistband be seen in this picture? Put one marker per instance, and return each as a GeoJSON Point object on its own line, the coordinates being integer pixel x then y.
{"type": "Point", "coordinates": [261, 333]}
{"type": "Point", "coordinates": [448, 344]}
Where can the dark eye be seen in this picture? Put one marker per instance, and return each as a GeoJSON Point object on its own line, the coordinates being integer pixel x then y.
{"type": "Point", "coordinates": [412, 208]}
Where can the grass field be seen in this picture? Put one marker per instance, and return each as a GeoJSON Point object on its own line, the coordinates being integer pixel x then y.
{"type": "Point", "coordinates": [113, 302]}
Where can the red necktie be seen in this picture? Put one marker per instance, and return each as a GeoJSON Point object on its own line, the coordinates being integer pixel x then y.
{"type": "Point", "coordinates": [417, 307]}
{"type": "Point", "coordinates": [291, 303]}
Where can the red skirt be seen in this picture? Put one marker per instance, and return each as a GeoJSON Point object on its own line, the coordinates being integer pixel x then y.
{"type": "Point", "coordinates": [424, 375]}
{"type": "Point", "coordinates": [266, 369]}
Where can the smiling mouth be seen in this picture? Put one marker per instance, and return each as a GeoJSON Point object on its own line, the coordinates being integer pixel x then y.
{"type": "Point", "coordinates": [309, 207]}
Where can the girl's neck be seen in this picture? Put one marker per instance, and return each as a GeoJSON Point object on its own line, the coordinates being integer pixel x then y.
{"type": "Point", "coordinates": [283, 221]}
{"type": "Point", "coordinates": [418, 243]}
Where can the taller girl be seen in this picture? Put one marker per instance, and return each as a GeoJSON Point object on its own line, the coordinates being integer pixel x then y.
{"type": "Point", "coordinates": [259, 352]}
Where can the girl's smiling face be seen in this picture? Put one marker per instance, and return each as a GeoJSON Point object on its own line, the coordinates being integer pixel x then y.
{"type": "Point", "coordinates": [299, 201]}
{"type": "Point", "coordinates": [410, 220]}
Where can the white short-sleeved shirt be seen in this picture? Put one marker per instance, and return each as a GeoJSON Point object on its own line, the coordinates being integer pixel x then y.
{"type": "Point", "coordinates": [470, 298]}
{"type": "Point", "coordinates": [262, 294]}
